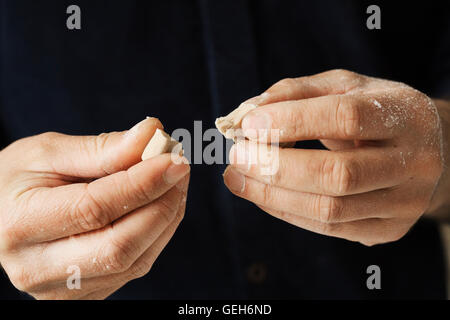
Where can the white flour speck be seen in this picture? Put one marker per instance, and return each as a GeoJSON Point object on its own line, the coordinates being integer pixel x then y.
{"type": "Point", "coordinates": [377, 104]}
{"type": "Point", "coordinates": [403, 161]}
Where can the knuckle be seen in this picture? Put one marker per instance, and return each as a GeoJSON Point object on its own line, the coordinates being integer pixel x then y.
{"type": "Point", "coordinates": [348, 120]}
{"type": "Point", "coordinates": [275, 178]}
{"type": "Point", "coordinates": [330, 209]}
{"type": "Point", "coordinates": [140, 269]}
{"type": "Point", "coordinates": [346, 176]}
{"type": "Point", "coordinates": [340, 175]}
{"type": "Point", "coordinates": [286, 83]}
{"type": "Point", "coordinates": [22, 279]}
{"type": "Point", "coordinates": [180, 215]}
{"type": "Point", "coordinates": [345, 73]}
{"type": "Point", "coordinates": [396, 236]}
{"type": "Point", "coordinates": [162, 208]}
{"type": "Point", "coordinates": [267, 194]}
{"type": "Point", "coordinates": [42, 144]}
{"type": "Point", "coordinates": [46, 140]}
{"type": "Point", "coordinates": [48, 136]}
{"type": "Point", "coordinates": [393, 236]}
{"type": "Point", "coordinates": [118, 256]}
{"type": "Point", "coordinates": [13, 230]}
{"type": "Point", "coordinates": [337, 176]}
{"type": "Point", "coordinates": [139, 191]}
{"type": "Point", "coordinates": [329, 229]}
{"type": "Point", "coordinates": [88, 213]}
{"type": "Point", "coordinates": [368, 243]}
{"type": "Point", "coordinates": [281, 214]}
{"type": "Point", "coordinates": [99, 146]}
{"type": "Point", "coordinates": [9, 237]}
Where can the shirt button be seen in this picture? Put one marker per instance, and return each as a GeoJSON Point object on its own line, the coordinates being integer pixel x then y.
{"type": "Point", "coordinates": [257, 273]}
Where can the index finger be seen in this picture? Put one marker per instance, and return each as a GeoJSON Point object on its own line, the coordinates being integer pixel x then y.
{"type": "Point", "coordinates": [346, 117]}
{"type": "Point", "coordinates": [326, 83]}
{"type": "Point", "coordinates": [53, 213]}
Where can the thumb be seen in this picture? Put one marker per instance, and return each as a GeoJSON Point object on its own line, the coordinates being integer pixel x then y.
{"type": "Point", "coordinates": [98, 156]}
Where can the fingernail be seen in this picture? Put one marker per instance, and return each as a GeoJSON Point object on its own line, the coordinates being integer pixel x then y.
{"type": "Point", "coordinates": [234, 180]}
{"type": "Point", "coordinates": [134, 131]}
{"type": "Point", "coordinates": [256, 124]}
{"type": "Point", "coordinates": [175, 172]}
{"type": "Point", "coordinates": [183, 185]}
{"type": "Point", "coordinates": [177, 159]}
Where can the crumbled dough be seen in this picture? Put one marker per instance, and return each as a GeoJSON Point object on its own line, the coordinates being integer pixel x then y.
{"type": "Point", "coordinates": [161, 143]}
{"type": "Point", "coordinates": [229, 124]}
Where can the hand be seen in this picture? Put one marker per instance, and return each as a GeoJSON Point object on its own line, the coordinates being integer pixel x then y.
{"type": "Point", "coordinates": [87, 202]}
{"type": "Point", "coordinates": [377, 177]}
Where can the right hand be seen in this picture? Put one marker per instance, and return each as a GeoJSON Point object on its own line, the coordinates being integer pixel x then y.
{"type": "Point", "coordinates": [89, 202]}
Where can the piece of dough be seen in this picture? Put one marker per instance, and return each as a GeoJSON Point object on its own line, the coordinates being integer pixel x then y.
{"type": "Point", "coordinates": [161, 143]}
{"type": "Point", "coordinates": [229, 124]}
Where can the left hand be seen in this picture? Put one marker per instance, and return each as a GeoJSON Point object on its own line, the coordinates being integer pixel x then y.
{"type": "Point", "coordinates": [377, 177]}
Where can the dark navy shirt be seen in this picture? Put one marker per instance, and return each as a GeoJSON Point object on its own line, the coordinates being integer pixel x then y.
{"type": "Point", "coordinates": [183, 61]}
